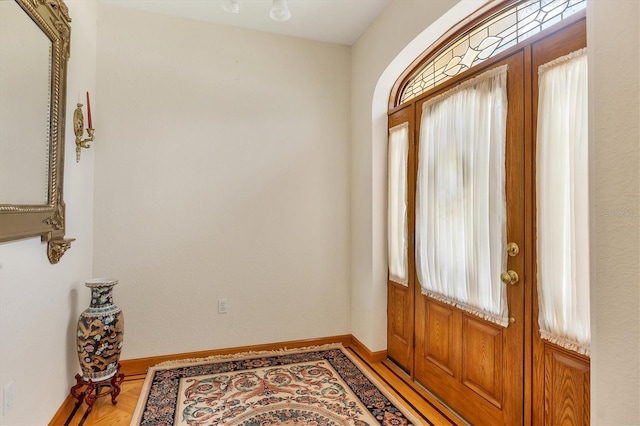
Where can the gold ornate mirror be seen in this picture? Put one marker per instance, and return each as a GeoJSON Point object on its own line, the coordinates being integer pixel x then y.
{"type": "Point", "coordinates": [34, 51]}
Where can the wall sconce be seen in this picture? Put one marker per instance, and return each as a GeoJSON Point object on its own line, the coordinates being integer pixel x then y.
{"type": "Point", "coordinates": [78, 125]}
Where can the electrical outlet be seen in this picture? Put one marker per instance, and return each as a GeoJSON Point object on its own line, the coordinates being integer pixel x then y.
{"type": "Point", "coordinates": [7, 398]}
{"type": "Point", "coordinates": [222, 306]}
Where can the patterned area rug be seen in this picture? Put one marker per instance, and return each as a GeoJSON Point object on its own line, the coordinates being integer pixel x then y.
{"type": "Point", "coordinates": [319, 386]}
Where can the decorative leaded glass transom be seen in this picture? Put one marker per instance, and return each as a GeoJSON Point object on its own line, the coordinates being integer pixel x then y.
{"type": "Point", "coordinates": [503, 30]}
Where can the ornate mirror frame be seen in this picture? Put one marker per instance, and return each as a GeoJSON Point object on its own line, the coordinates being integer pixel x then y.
{"type": "Point", "coordinates": [47, 220]}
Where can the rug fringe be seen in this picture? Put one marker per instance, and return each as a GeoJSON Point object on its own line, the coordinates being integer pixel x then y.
{"type": "Point", "coordinates": [247, 354]}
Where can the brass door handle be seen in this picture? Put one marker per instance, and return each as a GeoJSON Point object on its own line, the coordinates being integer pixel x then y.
{"type": "Point", "coordinates": [510, 277]}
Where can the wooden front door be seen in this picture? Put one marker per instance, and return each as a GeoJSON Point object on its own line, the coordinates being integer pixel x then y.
{"type": "Point", "coordinates": [487, 373]}
{"type": "Point", "coordinates": [474, 365]}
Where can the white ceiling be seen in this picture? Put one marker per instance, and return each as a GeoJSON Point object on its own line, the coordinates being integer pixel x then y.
{"type": "Point", "coordinates": [336, 21]}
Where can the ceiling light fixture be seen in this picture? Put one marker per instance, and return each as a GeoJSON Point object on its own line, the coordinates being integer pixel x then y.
{"type": "Point", "coordinates": [232, 6]}
{"type": "Point", "coordinates": [279, 9]}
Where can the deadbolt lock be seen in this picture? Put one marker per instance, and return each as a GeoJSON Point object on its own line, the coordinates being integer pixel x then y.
{"type": "Point", "coordinates": [513, 249]}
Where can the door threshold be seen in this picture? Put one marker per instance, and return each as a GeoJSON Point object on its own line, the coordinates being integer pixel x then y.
{"type": "Point", "coordinates": [426, 394]}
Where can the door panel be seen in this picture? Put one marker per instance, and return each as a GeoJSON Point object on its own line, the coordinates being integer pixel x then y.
{"type": "Point", "coordinates": [567, 388]}
{"type": "Point", "coordinates": [439, 348]}
{"type": "Point", "coordinates": [400, 301]}
{"type": "Point", "coordinates": [561, 379]}
{"type": "Point", "coordinates": [473, 365]}
{"type": "Point", "coordinates": [400, 325]}
{"type": "Point", "coordinates": [482, 351]}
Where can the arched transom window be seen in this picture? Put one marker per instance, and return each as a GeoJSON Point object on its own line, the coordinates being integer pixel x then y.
{"type": "Point", "coordinates": [503, 30]}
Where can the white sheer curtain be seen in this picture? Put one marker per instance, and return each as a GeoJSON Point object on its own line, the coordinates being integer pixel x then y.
{"type": "Point", "coordinates": [397, 203]}
{"type": "Point", "coordinates": [563, 203]}
{"type": "Point", "coordinates": [460, 196]}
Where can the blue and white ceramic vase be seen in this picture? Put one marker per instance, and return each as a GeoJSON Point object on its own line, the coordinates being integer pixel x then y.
{"type": "Point", "coordinates": [100, 332]}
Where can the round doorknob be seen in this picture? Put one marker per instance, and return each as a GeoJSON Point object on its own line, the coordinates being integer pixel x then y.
{"type": "Point", "coordinates": [509, 277]}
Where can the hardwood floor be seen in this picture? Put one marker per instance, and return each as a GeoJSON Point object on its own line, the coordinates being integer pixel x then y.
{"type": "Point", "coordinates": [106, 414]}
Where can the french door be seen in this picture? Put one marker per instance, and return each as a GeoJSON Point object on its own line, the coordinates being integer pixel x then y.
{"type": "Point", "coordinates": [488, 373]}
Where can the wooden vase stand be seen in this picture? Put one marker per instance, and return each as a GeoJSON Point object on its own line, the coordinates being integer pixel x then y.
{"type": "Point", "coordinates": [94, 390]}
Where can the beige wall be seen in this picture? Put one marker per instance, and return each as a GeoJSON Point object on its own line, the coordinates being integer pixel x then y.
{"type": "Point", "coordinates": [222, 171]}
{"type": "Point", "coordinates": [40, 302]}
{"type": "Point", "coordinates": [614, 117]}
